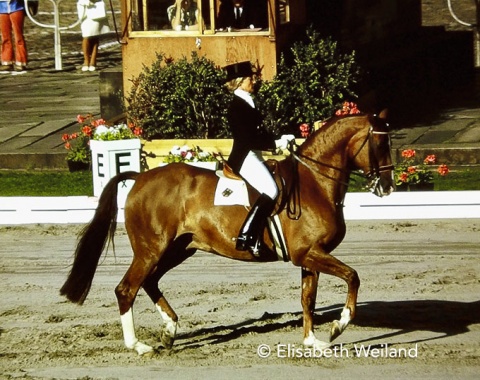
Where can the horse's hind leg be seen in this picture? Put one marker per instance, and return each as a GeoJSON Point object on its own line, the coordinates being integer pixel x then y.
{"type": "Point", "coordinates": [174, 256]}
{"type": "Point", "coordinates": [126, 291]}
{"type": "Point", "coordinates": [169, 317]}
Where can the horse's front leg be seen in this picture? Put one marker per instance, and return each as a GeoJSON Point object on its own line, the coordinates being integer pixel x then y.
{"type": "Point", "coordinates": [309, 297]}
{"type": "Point", "coordinates": [319, 261]}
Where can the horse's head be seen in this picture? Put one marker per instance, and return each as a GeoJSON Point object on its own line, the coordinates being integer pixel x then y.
{"type": "Point", "coordinates": [371, 152]}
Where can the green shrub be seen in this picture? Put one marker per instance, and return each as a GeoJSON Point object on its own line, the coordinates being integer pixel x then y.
{"type": "Point", "coordinates": [187, 99]}
{"type": "Point", "coordinates": [309, 85]}
{"type": "Point", "coordinates": [179, 99]}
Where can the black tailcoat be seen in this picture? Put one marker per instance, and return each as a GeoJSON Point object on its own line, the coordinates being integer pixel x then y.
{"type": "Point", "coordinates": [248, 134]}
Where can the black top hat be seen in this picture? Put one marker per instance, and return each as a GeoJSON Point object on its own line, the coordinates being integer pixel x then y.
{"type": "Point", "coordinates": [238, 70]}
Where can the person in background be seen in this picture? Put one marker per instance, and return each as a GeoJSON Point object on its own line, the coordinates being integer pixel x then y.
{"type": "Point", "coordinates": [242, 14]}
{"type": "Point", "coordinates": [92, 27]}
{"type": "Point", "coordinates": [183, 15]}
{"type": "Point", "coordinates": [12, 17]}
{"type": "Point", "coordinates": [245, 159]}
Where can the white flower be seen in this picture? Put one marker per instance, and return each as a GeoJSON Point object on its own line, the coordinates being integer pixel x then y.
{"type": "Point", "coordinates": [176, 151]}
{"type": "Point", "coordinates": [101, 130]}
{"type": "Point", "coordinates": [185, 149]}
{"type": "Point", "coordinates": [189, 156]}
{"type": "Point", "coordinates": [203, 154]}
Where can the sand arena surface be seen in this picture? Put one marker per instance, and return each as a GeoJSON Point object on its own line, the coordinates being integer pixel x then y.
{"type": "Point", "coordinates": [419, 296]}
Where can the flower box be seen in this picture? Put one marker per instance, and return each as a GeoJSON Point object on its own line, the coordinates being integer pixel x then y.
{"type": "Point", "coordinates": [112, 157]}
{"type": "Point", "coordinates": [205, 165]}
{"type": "Point", "coordinates": [157, 150]}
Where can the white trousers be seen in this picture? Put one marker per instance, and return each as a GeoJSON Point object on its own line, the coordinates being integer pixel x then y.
{"type": "Point", "coordinates": [257, 175]}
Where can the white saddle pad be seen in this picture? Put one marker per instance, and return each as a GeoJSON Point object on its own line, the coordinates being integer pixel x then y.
{"type": "Point", "coordinates": [230, 191]}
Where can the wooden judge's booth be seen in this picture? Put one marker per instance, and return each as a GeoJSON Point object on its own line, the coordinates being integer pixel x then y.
{"type": "Point", "coordinates": [147, 30]}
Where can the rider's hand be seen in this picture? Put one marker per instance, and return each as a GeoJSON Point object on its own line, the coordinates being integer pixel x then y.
{"type": "Point", "coordinates": [283, 141]}
{"type": "Point", "coordinates": [288, 138]}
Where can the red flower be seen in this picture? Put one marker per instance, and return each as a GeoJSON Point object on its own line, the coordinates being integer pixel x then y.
{"type": "Point", "coordinates": [349, 108]}
{"type": "Point", "coordinates": [408, 153]}
{"type": "Point", "coordinates": [96, 123]}
{"type": "Point", "coordinates": [65, 137]}
{"type": "Point", "coordinates": [430, 159]}
{"type": "Point", "coordinates": [80, 119]}
{"type": "Point", "coordinates": [403, 177]}
{"type": "Point", "coordinates": [412, 169]}
{"type": "Point", "coordinates": [443, 170]}
{"type": "Point", "coordinates": [68, 145]}
{"type": "Point", "coordinates": [304, 130]}
{"type": "Point", "coordinates": [87, 131]}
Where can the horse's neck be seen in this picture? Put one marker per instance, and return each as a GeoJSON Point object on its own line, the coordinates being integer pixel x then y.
{"type": "Point", "coordinates": [327, 155]}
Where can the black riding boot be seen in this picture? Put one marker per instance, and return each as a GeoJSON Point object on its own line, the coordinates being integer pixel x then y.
{"type": "Point", "coordinates": [252, 229]}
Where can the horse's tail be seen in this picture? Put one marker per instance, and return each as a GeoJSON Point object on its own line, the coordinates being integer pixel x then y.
{"type": "Point", "coordinates": [92, 241]}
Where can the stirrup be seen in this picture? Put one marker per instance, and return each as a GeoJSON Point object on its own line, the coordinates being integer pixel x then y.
{"type": "Point", "coordinates": [262, 253]}
{"type": "Point", "coordinates": [243, 243]}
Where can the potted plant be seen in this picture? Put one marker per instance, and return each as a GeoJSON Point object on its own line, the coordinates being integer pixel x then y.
{"type": "Point", "coordinates": [106, 149]}
{"type": "Point", "coordinates": [413, 176]}
{"type": "Point", "coordinates": [78, 143]}
{"type": "Point", "coordinates": [193, 156]}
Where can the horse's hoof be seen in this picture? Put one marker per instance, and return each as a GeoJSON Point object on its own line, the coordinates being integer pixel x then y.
{"type": "Point", "coordinates": [167, 340]}
{"type": "Point", "coordinates": [311, 341]}
{"type": "Point", "coordinates": [143, 349]}
{"type": "Point", "coordinates": [335, 330]}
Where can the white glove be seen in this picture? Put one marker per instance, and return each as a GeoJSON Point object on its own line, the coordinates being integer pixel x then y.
{"type": "Point", "coordinates": [288, 138]}
{"type": "Point", "coordinates": [282, 142]}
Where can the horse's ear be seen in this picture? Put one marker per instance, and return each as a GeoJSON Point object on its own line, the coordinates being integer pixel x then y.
{"type": "Point", "coordinates": [383, 114]}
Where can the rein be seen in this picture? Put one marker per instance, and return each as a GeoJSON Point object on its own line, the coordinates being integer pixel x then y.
{"type": "Point", "coordinates": [293, 195]}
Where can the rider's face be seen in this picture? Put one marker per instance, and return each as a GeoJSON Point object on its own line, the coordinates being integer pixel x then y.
{"type": "Point", "coordinates": [248, 84]}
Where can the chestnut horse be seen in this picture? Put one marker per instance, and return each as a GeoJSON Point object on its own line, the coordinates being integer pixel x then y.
{"type": "Point", "coordinates": [170, 214]}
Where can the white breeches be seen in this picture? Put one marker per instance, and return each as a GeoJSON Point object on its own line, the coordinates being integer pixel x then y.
{"type": "Point", "coordinates": [257, 175]}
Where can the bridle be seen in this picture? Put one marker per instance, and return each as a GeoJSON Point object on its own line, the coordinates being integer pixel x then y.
{"type": "Point", "coordinates": [373, 175]}
{"type": "Point", "coordinates": [375, 168]}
